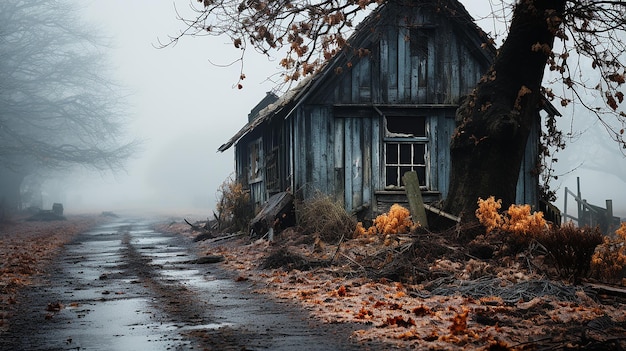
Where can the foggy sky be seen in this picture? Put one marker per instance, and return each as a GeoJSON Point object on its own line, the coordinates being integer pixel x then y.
{"type": "Point", "coordinates": [181, 106]}
{"type": "Point", "coordinates": [184, 108]}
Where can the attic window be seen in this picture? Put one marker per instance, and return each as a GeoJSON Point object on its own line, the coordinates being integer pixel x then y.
{"type": "Point", "coordinates": [406, 149]}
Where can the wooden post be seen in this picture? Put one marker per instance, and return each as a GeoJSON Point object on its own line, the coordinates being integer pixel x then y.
{"type": "Point", "coordinates": [565, 207]}
{"type": "Point", "coordinates": [609, 217]}
{"type": "Point", "coordinates": [414, 195]}
{"type": "Point", "coordinates": [581, 209]}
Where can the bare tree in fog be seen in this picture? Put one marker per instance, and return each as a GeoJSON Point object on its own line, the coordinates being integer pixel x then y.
{"type": "Point", "coordinates": [58, 109]}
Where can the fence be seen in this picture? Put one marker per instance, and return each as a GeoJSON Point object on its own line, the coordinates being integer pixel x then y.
{"type": "Point", "coordinates": [590, 215]}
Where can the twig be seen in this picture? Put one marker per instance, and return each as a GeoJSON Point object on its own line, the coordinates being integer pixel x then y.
{"type": "Point", "coordinates": [225, 237]}
{"type": "Point", "coordinates": [337, 251]}
{"type": "Point", "coordinates": [353, 261]}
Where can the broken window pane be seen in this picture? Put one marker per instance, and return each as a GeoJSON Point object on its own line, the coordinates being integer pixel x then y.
{"type": "Point", "coordinates": [406, 126]}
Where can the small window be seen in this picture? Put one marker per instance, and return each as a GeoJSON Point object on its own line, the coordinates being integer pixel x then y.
{"type": "Point", "coordinates": [406, 147]}
{"type": "Point", "coordinates": [401, 158]}
{"type": "Point", "coordinates": [255, 152]}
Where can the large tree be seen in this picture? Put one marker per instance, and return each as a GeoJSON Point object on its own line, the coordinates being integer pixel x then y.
{"type": "Point", "coordinates": [493, 122]}
{"type": "Point", "coordinates": [58, 109]}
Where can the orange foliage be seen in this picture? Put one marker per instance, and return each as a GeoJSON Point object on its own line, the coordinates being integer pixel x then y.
{"type": "Point", "coordinates": [517, 220]}
{"type": "Point", "coordinates": [609, 259]}
{"type": "Point", "coordinates": [521, 221]}
{"type": "Point", "coordinates": [396, 221]}
{"type": "Point", "coordinates": [488, 213]}
{"type": "Point", "coordinates": [621, 231]}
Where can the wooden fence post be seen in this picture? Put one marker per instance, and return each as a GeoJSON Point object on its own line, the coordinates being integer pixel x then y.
{"type": "Point", "coordinates": [414, 195]}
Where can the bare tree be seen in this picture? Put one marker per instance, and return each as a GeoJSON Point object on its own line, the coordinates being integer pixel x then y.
{"type": "Point", "coordinates": [58, 109]}
{"type": "Point", "coordinates": [493, 123]}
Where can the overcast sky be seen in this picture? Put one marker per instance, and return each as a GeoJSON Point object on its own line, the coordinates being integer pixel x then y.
{"type": "Point", "coordinates": [183, 108]}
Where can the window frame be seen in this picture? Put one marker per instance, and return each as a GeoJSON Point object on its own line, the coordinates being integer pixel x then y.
{"type": "Point", "coordinates": [398, 138]}
{"type": "Point", "coordinates": [255, 170]}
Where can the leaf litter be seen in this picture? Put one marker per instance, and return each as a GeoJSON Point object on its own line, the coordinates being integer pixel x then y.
{"type": "Point", "coordinates": [419, 291]}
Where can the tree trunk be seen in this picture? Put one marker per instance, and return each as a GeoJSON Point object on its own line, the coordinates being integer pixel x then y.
{"type": "Point", "coordinates": [494, 121]}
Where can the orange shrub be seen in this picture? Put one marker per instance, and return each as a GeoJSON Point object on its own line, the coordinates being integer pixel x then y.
{"type": "Point", "coordinates": [518, 219]}
{"type": "Point", "coordinates": [609, 259]}
{"type": "Point", "coordinates": [621, 231]}
{"type": "Point", "coordinates": [521, 221]}
{"type": "Point", "coordinates": [396, 221]}
{"type": "Point", "coordinates": [488, 213]}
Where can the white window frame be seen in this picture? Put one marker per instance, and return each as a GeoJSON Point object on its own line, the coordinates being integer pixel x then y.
{"type": "Point", "coordinates": [395, 139]}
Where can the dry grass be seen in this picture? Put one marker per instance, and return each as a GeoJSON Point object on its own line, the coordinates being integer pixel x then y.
{"type": "Point", "coordinates": [324, 217]}
{"type": "Point", "coordinates": [234, 210]}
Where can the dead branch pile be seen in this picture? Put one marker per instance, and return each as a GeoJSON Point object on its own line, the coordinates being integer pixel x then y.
{"type": "Point", "coordinates": [283, 258]}
{"type": "Point", "coordinates": [511, 293]}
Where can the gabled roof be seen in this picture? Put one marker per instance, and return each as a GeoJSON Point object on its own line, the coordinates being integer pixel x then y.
{"type": "Point", "coordinates": [271, 110]}
{"type": "Point", "coordinates": [291, 99]}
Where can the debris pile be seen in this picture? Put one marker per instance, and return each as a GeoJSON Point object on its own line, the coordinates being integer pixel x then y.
{"type": "Point", "coordinates": [413, 288]}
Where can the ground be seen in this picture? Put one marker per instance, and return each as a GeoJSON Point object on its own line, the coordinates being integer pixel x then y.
{"type": "Point", "coordinates": [27, 247]}
{"type": "Point", "coordinates": [460, 303]}
{"type": "Point", "coordinates": [455, 303]}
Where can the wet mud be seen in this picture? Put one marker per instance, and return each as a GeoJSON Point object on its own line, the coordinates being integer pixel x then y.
{"type": "Point", "coordinates": [124, 286]}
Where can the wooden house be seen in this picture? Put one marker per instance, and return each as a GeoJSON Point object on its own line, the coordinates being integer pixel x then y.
{"type": "Point", "coordinates": [354, 128]}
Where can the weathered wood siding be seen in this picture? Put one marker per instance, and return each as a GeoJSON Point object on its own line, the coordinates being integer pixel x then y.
{"type": "Point", "coordinates": [528, 183]}
{"type": "Point", "coordinates": [421, 62]}
{"type": "Point", "coordinates": [276, 139]}
{"type": "Point", "coordinates": [412, 63]}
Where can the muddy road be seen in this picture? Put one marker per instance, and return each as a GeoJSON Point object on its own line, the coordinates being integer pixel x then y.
{"type": "Point", "coordinates": [123, 286]}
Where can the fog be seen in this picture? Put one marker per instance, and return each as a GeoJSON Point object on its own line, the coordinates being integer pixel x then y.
{"type": "Point", "coordinates": [184, 107]}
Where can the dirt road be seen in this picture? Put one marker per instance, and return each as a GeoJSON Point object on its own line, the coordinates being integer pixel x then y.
{"type": "Point", "coordinates": [123, 286]}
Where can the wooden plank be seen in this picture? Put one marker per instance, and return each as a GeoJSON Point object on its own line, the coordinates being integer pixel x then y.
{"type": "Point", "coordinates": [403, 67]}
{"type": "Point", "coordinates": [339, 150]}
{"type": "Point", "coordinates": [377, 145]}
{"type": "Point", "coordinates": [316, 149]}
{"type": "Point", "coordinates": [431, 68]}
{"type": "Point", "coordinates": [383, 82]}
{"type": "Point", "coordinates": [439, 212]}
{"type": "Point", "coordinates": [329, 166]}
{"type": "Point", "coordinates": [414, 79]}
{"type": "Point", "coordinates": [365, 75]}
{"type": "Point", "coordinates": [367, 146]}
{"type": "Point", "coordinates": [392, 62]}
{"type": "Point", "coordinates": [272, 210]}
{"type": "Point", "coordinates": [348, 132]}
{"type": "Point", "coordinates": [432, 163]}
{"type": "Point", "coordinates": [414, 195]}
{"type": "Point", "coordinates": [357, 163]}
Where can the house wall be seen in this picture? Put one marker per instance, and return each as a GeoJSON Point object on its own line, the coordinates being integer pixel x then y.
{"type": "Point", "coordinates": [275, 140]}
{"type": "Point", "coordinates": [421, 62]}
{"type": "Point", "coordinates": [338, 156]}
{"type": "Point", "coordinates": [416, 64]}
{"type": "Point", "coordinates": [423, 66]}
